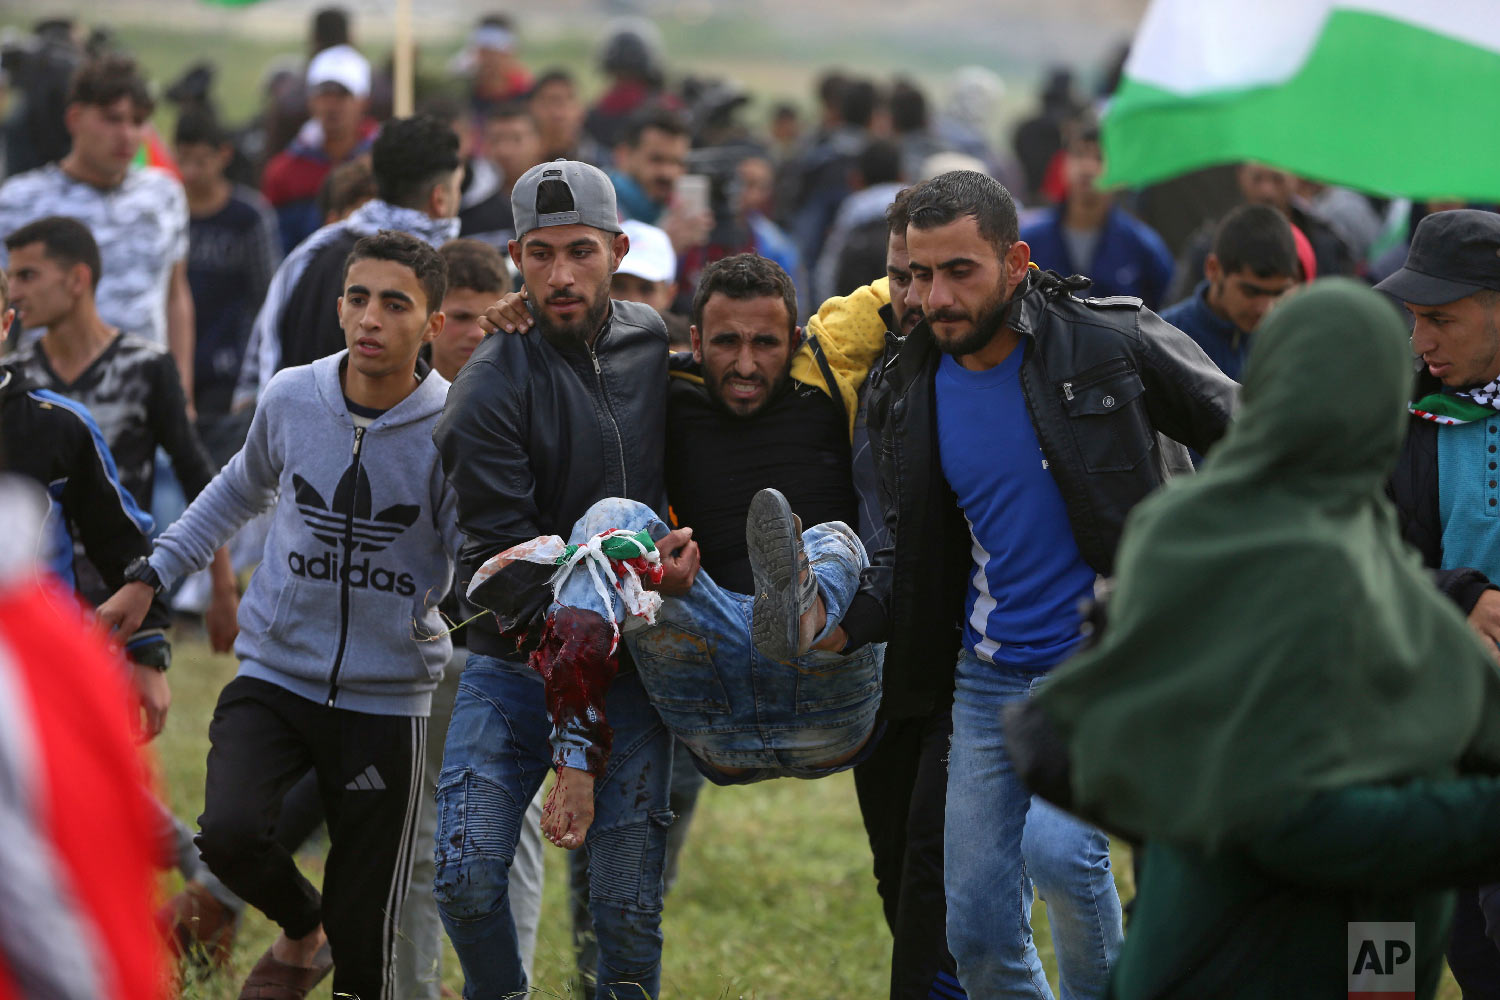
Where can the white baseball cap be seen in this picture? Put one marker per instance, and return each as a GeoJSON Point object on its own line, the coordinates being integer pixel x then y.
{"type": "Point", "coordinates": [651, 257]}
{"type": "Point", "coordinates": [342, 65]}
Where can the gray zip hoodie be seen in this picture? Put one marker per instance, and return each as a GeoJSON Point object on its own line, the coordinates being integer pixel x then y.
{"type": "Point", "coordinates": [360, 548]}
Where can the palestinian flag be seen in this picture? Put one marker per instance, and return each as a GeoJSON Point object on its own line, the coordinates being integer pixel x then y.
{"type": "Point", "coordinates": [1450, 410]}
{"type": "Point", "coordinates": [1389, 96]}
{"type": "Point", "coordinates": [154, 153]}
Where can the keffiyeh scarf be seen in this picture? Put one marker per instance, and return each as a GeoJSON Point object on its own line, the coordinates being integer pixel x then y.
{"type": "Point", "coordinates": [1451, 409]}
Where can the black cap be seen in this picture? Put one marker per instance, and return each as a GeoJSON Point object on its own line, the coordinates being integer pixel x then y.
{"type": "Point", "coordinates": [1452, 256]}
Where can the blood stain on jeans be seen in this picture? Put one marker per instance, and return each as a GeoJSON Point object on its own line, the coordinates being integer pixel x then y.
{"type": "Point", "coordinates": [577, 662]}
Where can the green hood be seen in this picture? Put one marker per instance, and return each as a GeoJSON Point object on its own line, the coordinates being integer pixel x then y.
{"type": "Point", "coordinates": [1270, 634]}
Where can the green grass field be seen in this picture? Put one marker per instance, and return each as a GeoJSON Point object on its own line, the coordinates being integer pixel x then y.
{"type": "Point", "coordinates": [775, 899]}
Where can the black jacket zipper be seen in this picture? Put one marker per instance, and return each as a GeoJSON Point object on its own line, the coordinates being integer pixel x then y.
{"type": "Point", "coordinates": [338, 656]}
{"type": "Point", "coordinates": [613, 423]}
{"type": "Point", "coordinates": [1111, 369]}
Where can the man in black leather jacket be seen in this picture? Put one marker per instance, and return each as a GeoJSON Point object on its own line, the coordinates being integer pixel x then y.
{"type": "Point", "coordinates": [999, 560]}
{"type": "Point", "coordinates": [537, 428]}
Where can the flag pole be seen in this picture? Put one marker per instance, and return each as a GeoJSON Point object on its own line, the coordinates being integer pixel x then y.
{"type": "Point", "coordinates": [405, 52]}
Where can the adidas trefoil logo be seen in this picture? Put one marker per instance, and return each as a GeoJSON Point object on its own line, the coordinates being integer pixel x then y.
{"type": "Point", "coordinates": [368, 533]}
{"type": "Point", "coordinates": [328, 521]}
{"type": "Point", "coordinates": [368, 781]}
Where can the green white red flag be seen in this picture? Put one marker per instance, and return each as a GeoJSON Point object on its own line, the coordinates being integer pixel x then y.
{"type": "Point", "coordinates": [1389, 96]}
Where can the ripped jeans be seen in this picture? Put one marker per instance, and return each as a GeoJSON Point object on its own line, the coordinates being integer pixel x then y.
{"type": "Point", "coordinates": [730, 705]}
{"type": "Point", "coordinates": [495, 758]}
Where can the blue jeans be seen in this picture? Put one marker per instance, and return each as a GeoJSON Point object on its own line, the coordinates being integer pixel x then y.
{"type": "Point", "coordinates": [731, 706]}
{"type": "Point", "coordinates": [495, 758]}
{"type": "Point", "coordinates": [999, 840]}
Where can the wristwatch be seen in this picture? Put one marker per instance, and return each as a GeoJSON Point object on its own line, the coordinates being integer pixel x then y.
{"type": "Point", "coordinates": [139, 571]}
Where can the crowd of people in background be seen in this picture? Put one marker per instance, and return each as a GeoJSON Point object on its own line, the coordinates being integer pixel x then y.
{"type": "Point", "coordinates": [182, 300]}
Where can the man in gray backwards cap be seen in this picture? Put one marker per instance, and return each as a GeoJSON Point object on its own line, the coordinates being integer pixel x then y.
{"type": "Point", "coordinates": [537, 428]}
{"type": "Point", "coordinates": [1445, 484]}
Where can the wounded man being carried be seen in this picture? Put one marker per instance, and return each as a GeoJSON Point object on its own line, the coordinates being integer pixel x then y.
{"type": "Point", "coordinates": [734, 676]}
{"type": "Point", "coordinates": [747, 667]}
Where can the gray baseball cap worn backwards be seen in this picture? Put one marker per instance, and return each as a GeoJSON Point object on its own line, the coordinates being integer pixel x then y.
{"type": "Point", "coordinates": [590, 199]}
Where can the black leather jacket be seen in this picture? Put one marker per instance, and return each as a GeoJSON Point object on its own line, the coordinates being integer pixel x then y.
{"type": "Point", "coordinates": [534, 432]}
{"type": "Point", "coordinates": [1104, 380]}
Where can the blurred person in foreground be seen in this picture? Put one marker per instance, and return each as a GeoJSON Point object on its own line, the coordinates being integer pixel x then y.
{"type": "Point", "coordinates": [131, 388]}
{"type": "Point", "coordinates": [339, 129]}
{"type": "Point", "coordinates": [1090, 234]}
{"type": "Point", "coordinates": [77, 875]}
{"type": "Point", "coordinates": [1314, 743]}
{"type": "Point", "coordinates": [137, 215]}
{"type": "Point", "coordinates": [1252, 265]}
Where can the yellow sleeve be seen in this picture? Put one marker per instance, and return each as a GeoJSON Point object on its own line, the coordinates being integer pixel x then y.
{"type": "Point", "coordinates": [852, 334]}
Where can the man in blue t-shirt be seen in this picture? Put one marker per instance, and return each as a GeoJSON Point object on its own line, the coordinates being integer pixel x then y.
{"type": "Point", "coordinates": [1019, 425]}
{"type": "Point", "coordinates": [1029, 577]}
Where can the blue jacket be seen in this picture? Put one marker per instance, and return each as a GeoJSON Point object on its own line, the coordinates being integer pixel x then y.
{"type": "Point", "coordinates": [1129, 259]}
{"type": "Point", "coordinates": [1220, 339]}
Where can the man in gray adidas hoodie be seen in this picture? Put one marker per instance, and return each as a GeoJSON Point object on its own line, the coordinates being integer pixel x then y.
{"type": "Point", "coordinates": [340, 643]}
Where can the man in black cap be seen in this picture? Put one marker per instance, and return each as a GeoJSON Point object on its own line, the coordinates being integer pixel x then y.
{"type": "Point", "coordinates": [1447, 482]}
{"type": "Point", "coordinates": [537, 428]}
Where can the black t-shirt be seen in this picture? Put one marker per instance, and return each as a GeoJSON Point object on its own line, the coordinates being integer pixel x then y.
{"type": "Point", "coordinates": [363, 415]}
{"type": "Point", "coordinates": [716, 462]}
{"type": "Point", "coordinates": [231, 257]}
